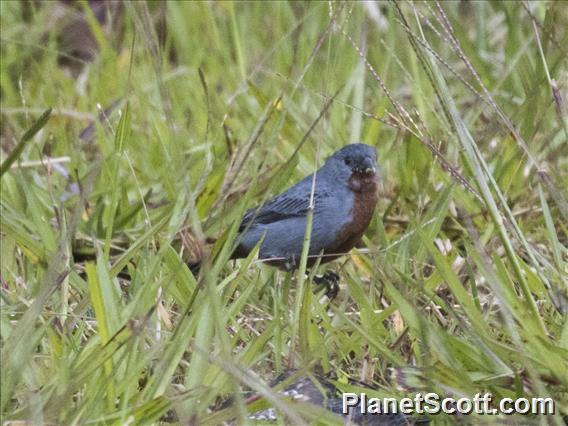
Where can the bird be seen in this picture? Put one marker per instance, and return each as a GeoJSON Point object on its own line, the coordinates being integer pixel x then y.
{"type": "Point", "coordinates": [345, 196]}
{"type": "Point", "coordinates": [319, 390]}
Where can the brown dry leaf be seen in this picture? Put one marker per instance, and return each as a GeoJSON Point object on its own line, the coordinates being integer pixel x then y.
{"type": "Point", "coordinates": [397, 322]}
{"type": "Point", "coordinates": [164, 316]}
{"type": "Point", "coordinates": [362, 267]}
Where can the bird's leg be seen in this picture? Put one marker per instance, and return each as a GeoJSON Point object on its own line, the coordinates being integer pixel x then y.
{"type": "Point", "coordinates": [330, 280]}
{"type": "Point", "coordinates": [290, 263]}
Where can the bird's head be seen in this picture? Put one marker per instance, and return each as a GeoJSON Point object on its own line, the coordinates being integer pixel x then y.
{"type": "Point", "coordinates": [356, 160]}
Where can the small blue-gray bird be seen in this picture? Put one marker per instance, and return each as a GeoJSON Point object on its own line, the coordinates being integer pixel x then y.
{"type": "Point", "coordinates": [344, 200]}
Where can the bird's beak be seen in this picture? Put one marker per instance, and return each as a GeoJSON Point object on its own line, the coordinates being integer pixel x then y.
{"type": "Point", "coordinates": [369, 167]}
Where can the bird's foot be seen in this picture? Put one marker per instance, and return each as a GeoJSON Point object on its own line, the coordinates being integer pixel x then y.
{"type": "Point", "coordinates": [329, 280]}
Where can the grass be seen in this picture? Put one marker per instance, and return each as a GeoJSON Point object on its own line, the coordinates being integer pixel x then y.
{"type": "Point", "coordinates": [462, 285]}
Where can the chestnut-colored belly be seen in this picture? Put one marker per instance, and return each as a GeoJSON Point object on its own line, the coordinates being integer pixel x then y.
{"type": "Point", "coordinates": [365, 200]}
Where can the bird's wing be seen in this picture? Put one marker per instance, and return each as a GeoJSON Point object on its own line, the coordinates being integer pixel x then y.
{"type": "Point", "coordinates": [285, 206]}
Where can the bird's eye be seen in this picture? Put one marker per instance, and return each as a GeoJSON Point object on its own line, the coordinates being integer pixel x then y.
{"type": "Point", "coordinates": [347, 161]}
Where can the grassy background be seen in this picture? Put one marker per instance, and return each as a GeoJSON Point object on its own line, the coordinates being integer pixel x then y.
{"type": "Point", "coordinates": [462, 288]}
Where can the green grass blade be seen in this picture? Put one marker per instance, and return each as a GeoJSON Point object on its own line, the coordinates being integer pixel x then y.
{"type": "Point", "coordinates": [30, 133]}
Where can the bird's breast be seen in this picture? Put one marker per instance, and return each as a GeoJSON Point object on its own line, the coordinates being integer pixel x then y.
{"type": "Point", "coordinates": [365, 197]}
{"type": "Point", "coordinates": [364, 203]}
